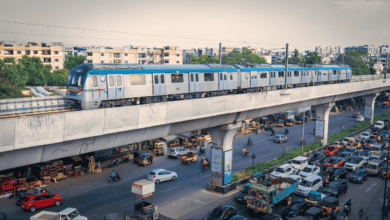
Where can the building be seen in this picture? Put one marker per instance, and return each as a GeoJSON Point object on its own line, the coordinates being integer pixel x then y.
{"type": "Point", "coordinates": [371, 50]}
{"type": "Point", "coordinates": [130, 54]}
{"type": "Point", "coordinates": [382, 59]}
{"type": "Point", "coordinates": [50, 53]}
{"type": "Point", "coordinates": [189, 53]}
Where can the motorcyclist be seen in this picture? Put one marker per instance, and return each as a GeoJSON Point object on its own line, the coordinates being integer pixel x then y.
{"type": "Point", "coordinates": [344, 217]}
{"type": "Point", "coordinates": [114, 175]}
{"type": "Point", "coordinates": [361, 213]}
{"type": "Point", "coordinates": [244, 151]}
{"type": "Point", "coordinates": [349, 205]}
{"type": "Point", "coordinates": [326, 180]}
{"type": "Point", "coordinates": [285, 131]}
{"type": "Point", "coordinates": [205, 161]}
{"type": "Point", "coordinates": [272, 131]}
{"type": "Point", "coordinates": [333, 214]}
{"type": "Point", "coordinates": [249, 141]}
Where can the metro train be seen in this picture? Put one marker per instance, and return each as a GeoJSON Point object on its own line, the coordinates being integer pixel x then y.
{"type": "Point", "coordinates": [92, 86]}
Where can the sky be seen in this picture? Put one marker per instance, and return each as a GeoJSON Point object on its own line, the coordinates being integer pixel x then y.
{"type": "Point", "coordinates": [269, 24]}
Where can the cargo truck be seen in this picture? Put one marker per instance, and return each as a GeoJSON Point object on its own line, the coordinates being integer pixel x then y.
{"type": "Point", "coordinates": [68, 213]}
{"type": "Point", "coordinates": [263, 195]}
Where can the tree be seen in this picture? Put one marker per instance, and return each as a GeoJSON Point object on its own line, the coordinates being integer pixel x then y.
{"type": "Point", "coordinates": [38, 73]}
{"type": "Point", "coordinates": [204, 60]}
{"type": "Point", "coordinates": [355, 60]}
{"type": "Point", "coordinates": [72, 61]}
{"type": "Point", "coordinates": [59, 77]}
{"type": "Point", "coordinates": [313, 59]}
{"type": "Point", "coordinates": [295, 59]}
{"type": "Point", "coordinates": [7, 90]}
{"type": "Point", "coordinates": [236, 57]}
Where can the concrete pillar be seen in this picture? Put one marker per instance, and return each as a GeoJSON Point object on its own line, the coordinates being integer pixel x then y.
{"type": "Point", "coordinates": [322, 112]}
{"type": "Point", "coordinates": [369, 101]}
{"type": "Point", "coordinates": [222, 152]}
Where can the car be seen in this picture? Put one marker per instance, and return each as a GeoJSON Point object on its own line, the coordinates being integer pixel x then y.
{"type": "Point", "coordinates": [335, 162]}
{"type": "Point", "coordinates": [33, 202]}
{"type": "Point", "coordinates": [357, 153]}
{"type": "Point", "coordinates": [316, 159]}
{"type": "Point", "coordinates": [377, 148]}
{"type": "Point", "coordinates": [350, 149]}
{"type": "Point", "coordinates": [239, 217]}
{"type": "Point", "coordinates": [221, 212]}
{"type": "Point", "coordinates": [360, 118]}
{"type": "Point", "coordinates": [310, 183]}
{"type": "Point", "coordinates": [242, 194]}
{"type": "Point", "coordinates": [309, 170]}
{"type": "Point", "coordinates": [369, 143]}
{"type": "Point", "coordinates": [376, 130]}
{"type": "Point", "coordinates": [359, 176]}
{"type": "Point", "coordinates": [299, 163]}
{"type": "Point", "coordinates": [283, 170]}
{"type": "Point", "coordinates": [366, 154]}
{"type": "Point", "coordinates": [177, 152]}
{"type": "Point", "coordinates": [280, 138]}
{"type": "Point", "coordinates": [354, 163]}
{"type": "Point", "coordinates": [336, 188]}
{"type": "Point", "coordinates": [379, 124]}
{"type": "Point", "coordinates": [271, 216]}
{"type": "Point", "coordinates": [296, 178]}
{"type": "Point", "coordinates": [375, 156]}
{"type": "Point", "coordinates": [338, 173]}
{"type": "Point", "coordinates": [385, 134]}
{"type": "Point", "coordinates": [332, 150]}
{"type": "Point", "coordinates": [356, 114]}
{"type": "Point", "coordinates": [160, 175]}
{"type": "Point", "coordinates": [296, 208]}
{"type": "Point", "coordinates": [345, 155]}
{"type": "Point", "coordinates": [345, 141]}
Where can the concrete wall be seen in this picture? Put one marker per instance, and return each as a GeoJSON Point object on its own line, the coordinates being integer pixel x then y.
{"type": "Point", "coordinates": [59, 135]}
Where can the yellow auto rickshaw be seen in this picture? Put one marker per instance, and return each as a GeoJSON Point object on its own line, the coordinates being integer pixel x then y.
{"type": "Point", "coordinates": [289, 122]}
{"type": "Point", "coordinates": [145, 159]}
{"type": "Point", "coordinates": [314, 213]}
{"type": "Point", "coordinates": [329, 204]}
{"type": "Point", "coordinates": [280, 123]}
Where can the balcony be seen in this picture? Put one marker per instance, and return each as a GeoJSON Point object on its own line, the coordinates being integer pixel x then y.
{"type": "Point", "coordinates": [9, 52]}
{"type": "Point", "coordinates": [46, 60]}
{"type": "Point", "coordinates": [117, 55]}
{"type": "Point", "coordinates": [46, 52]}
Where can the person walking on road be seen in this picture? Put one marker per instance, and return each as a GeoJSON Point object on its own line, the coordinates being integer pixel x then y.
{"type": "Point", "coordinates": [257, 130]}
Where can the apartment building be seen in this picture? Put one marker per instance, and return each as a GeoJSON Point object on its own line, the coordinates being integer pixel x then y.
{"type": "Point", "coordinates": [50, 53]}
{"type": "Point", "coordinates": [131, 54]}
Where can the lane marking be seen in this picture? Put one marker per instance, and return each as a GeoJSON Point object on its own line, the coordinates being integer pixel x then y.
{"type": "Point", "coordinates": [203, 177]}
{"type": "Point", "coordinates": [200, 202]}
{"type": "Point", "coordinates": [371, 187]}
{"type": "Point", "coordinates": [242, 210]}
{"type": "Point", "coordinates": [170, 188]}
{"type": "Point", "coordinates": [362, 186]}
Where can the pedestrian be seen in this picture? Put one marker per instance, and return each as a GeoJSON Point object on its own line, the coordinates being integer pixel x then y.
{"type": "Point", "coordinates": [257, 130]}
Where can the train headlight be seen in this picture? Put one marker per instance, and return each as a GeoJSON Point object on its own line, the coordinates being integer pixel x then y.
{"type": "Point", "coordinates": [79, 93]}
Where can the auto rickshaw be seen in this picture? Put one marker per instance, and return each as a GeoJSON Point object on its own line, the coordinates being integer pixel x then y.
{"type": "Point", "coordinates": [280, 123]}
{"type": "Point", "coordinates": [353, 143]}
{"type": "Point", "coordinates": [256, 177]}
{"type": "Point", "coordinates": [328, 204]}
{"type": "Point", "coordinates": [145, 159]}
{"type": "Point", "coordinates": [189, 157]}
{"type": "Point", "coordinates": [314, 213]}
{"type": "Point", "coordinates": [299, 120]}
{"type": "Point", "coordinates": [289, 122]}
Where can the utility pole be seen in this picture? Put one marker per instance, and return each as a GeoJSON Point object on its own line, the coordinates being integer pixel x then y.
{"type": "Point", "coordinates": [343, 58]}
{"type": "Point", "coordinates": [303, 128]}
{"type": "Point", "coordinates": [285, 74]}
{"type": "Point", "coordinates": [387, 58]}
{"type": "Point", "coordinates": [385, 194]}
{"type": "Point", "coordinates": [220, 50]}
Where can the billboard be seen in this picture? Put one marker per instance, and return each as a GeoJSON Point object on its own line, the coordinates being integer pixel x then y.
{"type": "Point", "coordinates": [216, 159]}
{"type": "Point", "coordinates": [228, 160]}
{"type": "Point", "coordinates": [320, 128]}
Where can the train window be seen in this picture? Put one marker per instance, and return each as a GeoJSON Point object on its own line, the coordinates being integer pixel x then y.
{"type": "Point", "coordinates": [192, 77]}
{"type": "Point", "coordinates": [80, 81]}
{"type": "Point", "coordinates": [95, 81]}
{"type": "Point", "coordinates": [263, 75]}
{"type": "Point", "coordinates": [209, 77]}
{"type": "Point", "coordinates": [155, 79]}
{"type": "Point", "coordinates": [224, 77]}
{"type": "Point", "coordinates": [231, 76]}
{"type": "Point", "coordinates": [253, 77]}
{"type": "Point", "coordinates": [197, 77]}
{"type": "Point", "coordinates": [119, 80]}
{"type": "Point", "coordinates": [162, 79]}
{"type": "Point", "coordinates": [281, 74]}
{"type": "Point", "coordinates": [111, 80]}
{"type": "Point", "coordinates": [74, 80]}
{"type": "Point", "coordinates": [324, 73]}
{"type": "Point", "coordinates": [177, 78]}
{"type": "Point", "coordinates": [296, 73]}
{"type": "Point", "coordinates": [220, 76]}
{"type": "Point", "coordinates": [334, 72]}
{"type": "Point", "coordinates": [138, 80]}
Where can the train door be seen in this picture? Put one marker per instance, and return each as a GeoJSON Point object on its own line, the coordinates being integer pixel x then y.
{"type": "Point", "coordinates": [253, 78]}
{"type": "Point", "coordinates": [111, 87]}
{"type": "Point", "coordinates": [95, 88]}
{"type": "Point", "coordinates": [349, 73]}
{"type": "Point", "coordinates": [338, 74]}
{"type": "Point", "coordinates": [162, 84]}
{"type": "Point", "coordinates": [102, 82]}
{"type": "Point", "coordinates": [303, 77]}
{"type": "Point", "coordinates": [119, 86]}
{"type": "Point", "coordinates": [194, 82]}
{"type": "Point", "coordinates": [156, 84]}
{"type": "Point", "coordinates": [319, 76]}
{"type": "Point", "coordinates": [223, 81]}
{"type": "Point", "coordinates": [273, 78]}
{"type": "Point", "coordinates": [289, 77]}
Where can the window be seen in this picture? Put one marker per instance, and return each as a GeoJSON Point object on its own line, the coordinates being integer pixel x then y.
{"type": "Point", "coordinates": [90, 61]}
{"type": "Point", "coordinates": [89, 54]}
{"type": "Point", "coordinates": [162, 79]}
{"type": "Point", "coordinates": [177, 78]}
{"type": "Point", "coordinates": [178, 55]}
{"type": "Point", "coordinates": [19, 52]}
{"type": "Point", "coordinates": [166, 55]}
{"type": "Point", "coordinates": [126, 61]}
{"type": "Point", "coordinates": [155, 79]}
{"type": "Point", "coordinates": [281, 74]}
{"type": "Point", "coordinates": [138, 80]}
{"type": "Point", "coordinates": [177, 61]}
{"type": "Point", "coordinates": [192, 77]}
{"type": "Point", "coordinates": [56, 60]}
{"type": "Point", "coordinates": [111, 79]}
{"type": "Point", "coordinates": [19, 60]}
{"type": "Point", "coordinates": [119, 80]}
{"type": "Point", "coordinates": [296, 73]}
{"type": "Point", "coordinates": [80, 81]}
{"type": "Point", "coordinates": [224, 77]}
{"type": "Point", "coordinates": [209, 77]}
{"type": "Point", "coordinates": [35, 52]}
{"type": "Point", "coordinates": [334, 72]}
{"type": "Point", "coordinates": [125, 54]}
{"type": "Point", "coordinates": [110, 55]}
{"type": "Point", "coordinates": [263, 75]}
{"type": "Point", "coordinates": [57, 67]}
{"type": "Point", "coordinates": [166, 61]}
{"type": "Point", "coordinates": [56, 52]}
{"type": "Point", "coordinates": [102, 62]}
{"type": "Point", "coordinates": [220, 76]}
{"type": "Point", "coordinates": [197, 77]}
{"type": "Point", "coordinates": [102, 54]}
{"type": "Point", "coordinates": [94, 79]}
{"type": "Point", "coordinates": [324, 73]}
{"type": "Point", "coordinates": [231, 76]}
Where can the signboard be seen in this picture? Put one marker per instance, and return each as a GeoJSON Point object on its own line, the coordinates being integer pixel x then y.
{"type": "Point", "coordinates": [228, 159]}
{"type": "Point", "coordinates": [320, 128]}
{"type": "Point", "coordinates": [216, 159]}
{"type": "Point", "coordinates": [367, 112]}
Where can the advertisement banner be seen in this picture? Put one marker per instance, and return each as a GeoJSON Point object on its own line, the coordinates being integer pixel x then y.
{"type": "Point", "coordinates": [228, 158]}
{"type": "Point", "coordinates": [319, 128]}
{"type": "Point", "coordinates": [216, 159]}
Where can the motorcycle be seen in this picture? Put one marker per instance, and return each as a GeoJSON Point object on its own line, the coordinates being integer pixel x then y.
{"type": "Point", "coordinates": [272, 134]}
{"type": "Point", "coordinates": [203, 167]}
{"type": "Point", "coordinates": [18, 194]}
{"type": "Point", "coordinates": [201, 151]}
{"type": "Point", "coordinates": [245, 154]}
{"type": "Point", "coordinates": [285, 132]}
{"type": "Point", "coordinates": [113, 179]}
{"type": "Point", "coordinates": [115, 163]}
{"type": "Point", "coordinates": [347, 209]}
{"type": "Point", "coordinates": [249, 143]}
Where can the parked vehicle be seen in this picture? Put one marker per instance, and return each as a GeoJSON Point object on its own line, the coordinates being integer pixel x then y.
{"type": "Point", "coordinates": [160, 175]}
{"type": "Point", "coordinates": [283, 170]}
{"type": "Point", "coordinates": [354, 163]}
{"type": "Point", "coordinates": [221, 212]}
{"type": "Point", "coordinates": [115, 162]}
{"type": "Point", "coordinates": [38, 201]}
{"type": "Point", "coordinates": [299, 163]}
{"type": "Point", "coordinates": [273, 192]}
{"type": "Point", "coordinates": [338, 173]}
{"type": "Point", "coordinates": [280, 138]}
{"type": "Point", "coordinates": [242, 194]}
{"type": "Point", "coordinates": [137, 154]}
{"type": "Point", "coordinates": [296, 208]}
{"type": "Point", "coordinates": [310, 183]}
{"type": "Point", "coordinates": [309, 170]}
{"type": "Point", "coordinates": [315, 198]}
{"type": "Point", "coordinates": [360, 118]}
{"type": "Point", "coordinates": [177, 152]}
{"type": "Point", "coordinates": [145, 159]}
{"type": "Point", "coordinates": [359, 176]}
{"type": "Point", "coordinates": [336, 188]}
{"type": "Point", "coordinates": [374, 167]}
{"type": "Point", "coordinates": [68, 213]}
{"type": "Point", "coordinates": [316, 159]}
{"type": "Point", "coordinates": [189, 157]}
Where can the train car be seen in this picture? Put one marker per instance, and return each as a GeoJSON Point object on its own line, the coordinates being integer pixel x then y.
{"type": "Point", "coordinates": [107, 85]}
{"type": "Point", "coordinates": [327, 74]}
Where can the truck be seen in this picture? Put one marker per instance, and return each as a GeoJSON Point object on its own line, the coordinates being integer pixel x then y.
{"type": "Point", "coordinates": [68, 213]}
{"type": "Point", "coordinates": [263, 195]}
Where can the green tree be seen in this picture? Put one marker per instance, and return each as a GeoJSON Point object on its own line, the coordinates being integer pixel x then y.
{"type": "Point", "coordinates": [313, 59]}
{"type": "Point", "coordinates": [72, 61]}
{"type": "Point", "coordinates": [355, 59]}
{"type": "Point", "coordinates": [236, 57]}
{"type": "Point", "coordinates": [295, 59]}
{"type": "Point", "coordinates": [59, 77]}
{"type": "Point", "coordinates": [204, 60]}
{"type": "Point", "coordinates": [7, 90]}
{"type": "Point", "coordinates": [38, 73]}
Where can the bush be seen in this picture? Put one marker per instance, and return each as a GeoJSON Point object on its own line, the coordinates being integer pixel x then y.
{"type": "Point", "coordinates": [235, 177]}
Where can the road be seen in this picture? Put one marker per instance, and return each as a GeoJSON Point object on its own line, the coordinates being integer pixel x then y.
{"type": "Point", "coordinates": [186, 198]}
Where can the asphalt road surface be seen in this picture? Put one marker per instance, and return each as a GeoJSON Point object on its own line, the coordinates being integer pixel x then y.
{"type": "Point", "coordinates": [186, 198]}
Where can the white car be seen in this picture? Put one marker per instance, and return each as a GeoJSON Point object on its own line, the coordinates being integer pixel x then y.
{"type": "Point", "coordinates": [359, 118]}
{"type": "Point", "coordinates": [177, 152]}
{"type": "Point", "coordinates": [160, 175]}
{"type": "Point", "coordinates": [379, 124]}
{"type": "Point", "coordinates": [282, 171]}
{"type": "Point", "coordinates": [309, 170]}
{"type": "Point", "coordinates": [310, 183]}
{"type": "Point", "coordinates": [299, 163]}
{"type": "Point", "coordinates": [295, 177]}
{"type": "Point", "coordinates": [365, 135]}
{"type": "Point", "coordinates": [353, 163]}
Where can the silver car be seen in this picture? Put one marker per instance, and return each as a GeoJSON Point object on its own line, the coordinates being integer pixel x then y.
{"type": "Point", "coordinates": [280, 138]}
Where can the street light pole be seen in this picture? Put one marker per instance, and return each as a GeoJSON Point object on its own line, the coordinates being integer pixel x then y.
{"type": "Point", "coordinates": [220, 50]}
{"type": "Point", "coordinates": [387, 57]}
{"type": "Point", "coordinates": [303, 128]}
{"type": "Point", "coordinates": [285, 74]}
{"type": "Point", "coordinates": [385, 193]}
